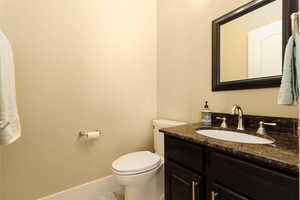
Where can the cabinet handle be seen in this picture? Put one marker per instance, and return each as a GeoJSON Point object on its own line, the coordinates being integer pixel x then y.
{"type": "Point", "coordinates": [214, 195]}
{"type": "Point", "coordinates": [194, 185]}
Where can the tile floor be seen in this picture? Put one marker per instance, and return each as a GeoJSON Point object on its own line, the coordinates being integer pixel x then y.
{"type": "Point", "coordinates": [113, 196]}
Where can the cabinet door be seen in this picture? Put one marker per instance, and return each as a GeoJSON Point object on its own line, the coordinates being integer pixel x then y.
{"type": "Point", "coordinates": [251, 180]}
{"type": "Point", "coordinates": [182, 184]}
{"type": "Point", "coordinates": [219, 192]}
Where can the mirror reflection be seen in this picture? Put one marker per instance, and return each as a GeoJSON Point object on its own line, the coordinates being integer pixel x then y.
{"type": "Point", "coordinates": [251, 45]}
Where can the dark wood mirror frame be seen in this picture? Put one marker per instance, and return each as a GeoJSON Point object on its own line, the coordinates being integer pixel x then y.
{"type": "Point", "coordinates": [289, 6]}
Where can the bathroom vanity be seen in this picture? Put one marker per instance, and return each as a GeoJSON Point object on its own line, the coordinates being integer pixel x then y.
{"type": "Point", "coordinates": [245, 45]}
{"type": "Point", "coordinates": [202, 168]}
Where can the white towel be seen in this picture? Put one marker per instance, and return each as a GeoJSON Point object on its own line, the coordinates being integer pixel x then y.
{"type": "Point", "coordinates": [289, 89]}
{"type": "Point", "coordinates": [8, 105]}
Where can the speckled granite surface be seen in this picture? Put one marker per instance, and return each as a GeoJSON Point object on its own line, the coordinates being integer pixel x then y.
{"type": "Point", "coordinates": [283, 125]}
{"type": "Point", "coordinates": [283, 155]}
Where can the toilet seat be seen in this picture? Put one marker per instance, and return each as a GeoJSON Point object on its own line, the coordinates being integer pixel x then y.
{"type": "Point", "coordinates": [136, 163]}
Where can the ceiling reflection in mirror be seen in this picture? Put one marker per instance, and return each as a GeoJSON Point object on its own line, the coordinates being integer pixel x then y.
{"type": "Point", "coordinates": [251, 45]}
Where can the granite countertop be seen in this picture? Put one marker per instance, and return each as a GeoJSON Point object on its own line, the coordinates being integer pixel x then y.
{"type": "Point", "coordinates": [283, 155]}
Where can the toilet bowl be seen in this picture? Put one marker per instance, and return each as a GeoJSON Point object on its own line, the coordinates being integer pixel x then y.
{"type": "Point", "coordinates": [138, 172]}
{"type": "Point", "coordinates": [142, 173]}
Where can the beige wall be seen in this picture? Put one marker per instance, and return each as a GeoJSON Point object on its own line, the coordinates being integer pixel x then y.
{"type": "Point", "coordinates": [184, 64]}
{"type": "Point", "coordinates": [234, 40]}
{"type": "Point", "coordinates": [80, 65]}
{"type": "Point", "coordinates": [90, 64]}
{"type": "Point", "coordinates": [1, 175]}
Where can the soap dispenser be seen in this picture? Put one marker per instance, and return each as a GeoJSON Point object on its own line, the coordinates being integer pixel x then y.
{"type": "Point", "coordinates": [206, 114]}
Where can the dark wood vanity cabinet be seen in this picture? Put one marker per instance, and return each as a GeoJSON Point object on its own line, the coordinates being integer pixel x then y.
{"type": "Point", "coordinates": [249, 179]}
{"type": "Point", "coordinates": [183, 184]}
{"type": "Point", "coordinates": [195, 172]}
{"type": "Point", "coordinates": [219, 192]}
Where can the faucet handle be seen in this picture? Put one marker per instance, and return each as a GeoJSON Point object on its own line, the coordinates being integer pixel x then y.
{"type": "Point", "coordinates": [261, 130]}
{"type": "Point", "coordinates": [224, 124]}
{"type": "Point", "coordinates": [269, 124]}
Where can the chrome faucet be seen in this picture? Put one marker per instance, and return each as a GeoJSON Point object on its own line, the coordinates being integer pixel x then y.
{"type": "Point", "coordinates": [240, 117]}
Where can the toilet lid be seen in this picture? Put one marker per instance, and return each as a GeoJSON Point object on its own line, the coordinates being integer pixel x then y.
{"type": "Point", "coordinates": [136, 162]}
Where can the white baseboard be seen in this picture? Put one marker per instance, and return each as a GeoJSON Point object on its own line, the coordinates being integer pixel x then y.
{"type": "Point", "coordinates": [95, 190]}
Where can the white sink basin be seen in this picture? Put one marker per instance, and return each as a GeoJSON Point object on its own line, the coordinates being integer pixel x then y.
{"type": "Point", "coordinates": [234, 136]}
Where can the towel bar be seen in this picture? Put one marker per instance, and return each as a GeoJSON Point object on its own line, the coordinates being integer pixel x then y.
{"type": "Point", "coordinates": [295, 23]}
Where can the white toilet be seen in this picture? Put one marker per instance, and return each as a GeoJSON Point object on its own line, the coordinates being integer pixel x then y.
{"type": "Point", "coordinates": [142, 173]}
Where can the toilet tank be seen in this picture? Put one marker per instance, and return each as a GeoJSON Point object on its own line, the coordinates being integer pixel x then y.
{"type": "Point", "coordinates": [159, 136]}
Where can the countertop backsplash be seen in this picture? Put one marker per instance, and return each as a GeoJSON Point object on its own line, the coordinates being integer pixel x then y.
{"type": "Point", "coordinates": [251, 122]}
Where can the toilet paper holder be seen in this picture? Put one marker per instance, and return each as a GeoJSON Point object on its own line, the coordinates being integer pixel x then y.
{"type": "Point", "coordinates": [3, 125]}
{"type": "Point", "coordinates": [86, 133]}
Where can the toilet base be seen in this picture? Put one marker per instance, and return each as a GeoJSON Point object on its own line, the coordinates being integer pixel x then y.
{"type": "Point", "coordinates": [148, 191]}
{"type": "Point", "coordinates": [152, 189]}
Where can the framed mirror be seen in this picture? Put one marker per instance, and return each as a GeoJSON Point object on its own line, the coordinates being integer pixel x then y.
{"type": "Point", "coordinates": [249, 43]}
